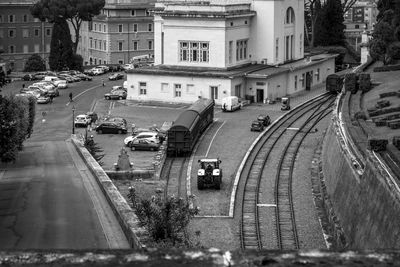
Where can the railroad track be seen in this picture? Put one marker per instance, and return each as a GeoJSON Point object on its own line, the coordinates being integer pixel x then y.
{"type": "Point", "coordinates": [251, 236]}
{"type": "Point", "coordinates": [174, 175]}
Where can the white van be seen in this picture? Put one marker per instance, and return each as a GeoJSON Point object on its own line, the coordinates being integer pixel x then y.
{"type": "Point", "coordinates": [230, 103]}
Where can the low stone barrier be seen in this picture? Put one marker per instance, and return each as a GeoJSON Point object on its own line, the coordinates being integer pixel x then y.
{"type": "Point", "coordinates": [136, 235]}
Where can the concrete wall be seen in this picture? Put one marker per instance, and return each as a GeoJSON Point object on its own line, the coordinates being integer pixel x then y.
{"type": "Point", "coordinates": [367, 205]}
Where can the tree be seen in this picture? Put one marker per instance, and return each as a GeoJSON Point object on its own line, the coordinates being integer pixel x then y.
{"type": "Point", "coordinates": [13, 126]}
{"type": "Point", "coordinates": [61, 54]}
{"type": "Point", "coordinates": [77, 62]}
{"type": "Point", "coordinates": [94, 149]}
{"type": "Point", "coordinates": [74, 11]}
{"type": "Point", "coordinates": [385, 42]}
{"type": "Point", "coordinates": [165, 219]}
{"type": "Point", "coordinates": [35, 63]}
{"type": "Point", "coordinates": [330, 28]}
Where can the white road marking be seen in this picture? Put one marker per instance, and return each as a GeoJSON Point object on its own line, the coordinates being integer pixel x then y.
{"type": "Point", "coordinates": [266, 205]}
{"type": "Point", "coordinates": [212, 140]}
{"type": "Point", "coordinates": [81, 93]}
{"type": "Point", "coordinates": [294, 129]}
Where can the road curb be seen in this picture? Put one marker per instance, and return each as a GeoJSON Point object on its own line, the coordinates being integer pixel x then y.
{"type": "Point", "coordinates": [137, 236]}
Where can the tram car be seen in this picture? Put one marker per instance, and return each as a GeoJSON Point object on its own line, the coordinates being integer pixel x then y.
{"type": "Point", "coordinates": [334, 83]}
{"type": "Point", "coordinates": [188, 127]}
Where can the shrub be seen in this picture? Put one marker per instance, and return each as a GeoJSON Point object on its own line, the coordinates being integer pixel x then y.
{"type": "Point", "coordinates": [35, 63]}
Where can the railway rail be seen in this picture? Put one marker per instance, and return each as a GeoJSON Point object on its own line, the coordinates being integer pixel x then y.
{"type": "Point", "coordinates": [251, 236]}
{"type": "Point", "coordinates": [174, 175]}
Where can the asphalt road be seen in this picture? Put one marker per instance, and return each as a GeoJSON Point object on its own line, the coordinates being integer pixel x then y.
{"type": "Point", "coordinates": [48, 198]}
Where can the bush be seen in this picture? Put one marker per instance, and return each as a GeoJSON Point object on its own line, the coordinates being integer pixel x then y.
{"type": "Point", "coordinates": [77, 63]}
{"type": "Point", "coordinates": [35, 63]}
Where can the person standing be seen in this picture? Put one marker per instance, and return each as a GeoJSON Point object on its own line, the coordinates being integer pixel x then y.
{"type": "Point", "coordinates": [70, 97]}
{"type": "Point", "coordinates": [51, 98]}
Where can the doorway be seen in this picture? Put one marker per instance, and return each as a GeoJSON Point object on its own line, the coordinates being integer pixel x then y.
{"type": "Point", "coordinates": [260, 95]}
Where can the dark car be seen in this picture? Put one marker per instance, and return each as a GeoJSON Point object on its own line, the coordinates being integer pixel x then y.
{"type": "Point", "coordinates": [111, 127]}
{"type": "Point", "coordinates": [118, 94]}
{"type": "Point", "coordinates": [116, 76]}
{"type": "Point", "coordinates": [257, 126]}
{"type": "Point", "coordinates": [29, 77]}
{"type": "Point", "coordinates": [89, 72]}
{"type": "Point", "coordinates": [84, 77]}
{"type": "Point", "coordinates": [264, 119]}
{"type": "Point", "coordinates": [144, 144]}
{"type": "Point", "coordinates": [118, 120]}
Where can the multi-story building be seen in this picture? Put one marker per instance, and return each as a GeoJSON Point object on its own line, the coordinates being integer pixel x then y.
{"type": "Point", "coordinates": [361, 17]}
{"type": "Point", "coordinates": [22, 35]}
{"type": "Point", "coordinates": [123, 30]}
{"type": "Point", "coordinates": [217, 48]}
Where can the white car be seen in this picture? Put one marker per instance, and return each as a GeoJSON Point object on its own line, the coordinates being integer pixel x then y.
{"type": "Point", "coordinates": [62, 84]}
{"type": "Point", "coordinates": [82, 120]}
{"type": "Point", "coordinates": [152, 136]}
{"type": "Point", "coordinates": [45, 85]}
{"type": "Point", "coordinates": [105, 68]}
{"type": "Point", "coordinates": [97, 71]}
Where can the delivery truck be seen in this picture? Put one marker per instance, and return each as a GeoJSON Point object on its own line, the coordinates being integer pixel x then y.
{"type": "Point", "coordinates": [231, 103]}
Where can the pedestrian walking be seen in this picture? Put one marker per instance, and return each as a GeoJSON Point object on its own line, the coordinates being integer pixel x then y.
{"type": "Point", "coordinates": [23, 86]}
{"type": "Point", "coordinates": [70, 97]}
{"type": "Point", "coordinates": [51, 98]}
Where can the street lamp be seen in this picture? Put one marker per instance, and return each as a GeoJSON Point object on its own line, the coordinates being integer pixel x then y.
{"type": "Point", "coordinates": [73, 118]}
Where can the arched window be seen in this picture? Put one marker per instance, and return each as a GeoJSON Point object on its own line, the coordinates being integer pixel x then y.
{"type": "Point", "coordinates": [289, 15]}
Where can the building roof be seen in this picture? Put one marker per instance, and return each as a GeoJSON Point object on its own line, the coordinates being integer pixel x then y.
{"type": "Point", "coordinates": [199, 71]}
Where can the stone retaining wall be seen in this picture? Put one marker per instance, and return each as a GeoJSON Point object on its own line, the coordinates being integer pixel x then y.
{"type": "Point", "coordinates": [136, 235]}
{"type": "Point", "coordinates": [368, 205]}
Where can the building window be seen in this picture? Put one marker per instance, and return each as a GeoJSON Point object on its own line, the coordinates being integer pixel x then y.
{"type": "Point", "coordinates": [178, 90]}
{"type": "Point", "coordinates": [276, 49]}
{"type": "Point", "coordinates": [135, 28]}
{"type": "Point", "coordinates": [142, 88]}
{"type": "Point", "coordinates": [90, 42]}
{"type": "Point", "coordinates": [190, 89]}
{"type": "Point", "coordinates": [135, 45]}
{"type": "Point", "coordinates": [245, 22]}
{"type": "Point", "coordinates": [230, 51]}
{"type": "Point", "coordinates": [357, 26]}
{"type": "Point", "coordinates": [194, 51]}
{"type": "Point", "coordinates": [95, 44]}
{"type": "Point", "coordinates": [25, 18]}
{"type": "Point", "coordinates": [119, 27]}
{"type": "Point", "coordinates": [303, 79]}
{"type": "Point", "coordinates": [25, 33]}
{"type": "Point", "coordinates": [214, 92]}
{"type": "Point", "coordinates": [150, 45]}
{"type": "Point", "coordinates": [100, 44]}
{"type": "Point", "coordinates": [11, 18]}
{"type": "Point", "coordinates": [99, 61]}
{"type": "Point", "coordinates": [36, 48]}
{"type": "Point", "coordinates": [48, 48]}
{"type": "Point", "coordinates": [119, 46]}
{"type": "Point", "coordinates": [11, 33]}
{"type": "Point", "coordinates": [95, 61]}
{"type": "Point", "coordinates": [95, 27]}
{"type": "Point", "coordinates": [11, 49]}
{"type": "Point", "coordinates": [231, 23]}
{"type": "Point", "coordinates": [104, 45]}
{"type": "Point", "coordinates": [295, 82]}
{"type": "Point", "coordinates": [25, 49]}
{"type": "Point", "coordinates": [164, 87]}
{"type": "Point", "coordinates": [301, 43]}
{"type": "Point", "coordinates": [104, 28]}
{"type": "Point", "coordinates": [48, 32]}
{"type": "Point", "coordinates": [133, 12]}
{"type": "Point", "coordinates": [148, 13]}
{"type": "Point", "coordinates": [120, 61]}
{"type": "Point", "coordinates": [289, 16]}
{"type": "Point", "coordinates": [150, 27]}
{"type": "Point", "coordinates": [241, 50]}
{"type": "Point", "coordinates": [1, 18]}
{"type": "Point", "coordinates": [36, 32]}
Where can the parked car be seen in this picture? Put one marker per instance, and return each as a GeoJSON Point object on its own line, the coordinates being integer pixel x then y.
{"type": "Point", "coordinates": [66, 77]}
{"type": "Point", "coordinates": [84, 77]}
{"type": "Point", "coordinates": [144, 144]}
{"type": "Point", "coordinates": [97, 71]}
{"type": "Point", "coordinates": [117, 87]}
{"type": "Point", "coordinates": [111, 127]}
{"type": "Point", "coordinates": [116, 76]}
{"type": "Point", "coordinates": [29, 77]}
{"type": "Point", "coordinates": [152, 136]}
{"type": "Point", "coordinates": [82, 120]}
{"type": "Point", "coordinates": [257, 126]}
{"type": "Point", "coordinates": [104, 67]}
{"type": "Point", "coordinates": [118, 94]}
{"type": "Point", "coordinates": [88, 72]}
{"type": "Point", "coordinates": [116, 120]}
{"type": "Point", "coordinates": [43, 99]}
{"type": "Point", "coordinates": [264, 119]}
{"type": "Point", "coordinates": [127, 67]}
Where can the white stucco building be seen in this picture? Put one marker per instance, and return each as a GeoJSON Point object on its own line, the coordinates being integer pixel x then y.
{"type": "Point", "coordinates": [216, 48]}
